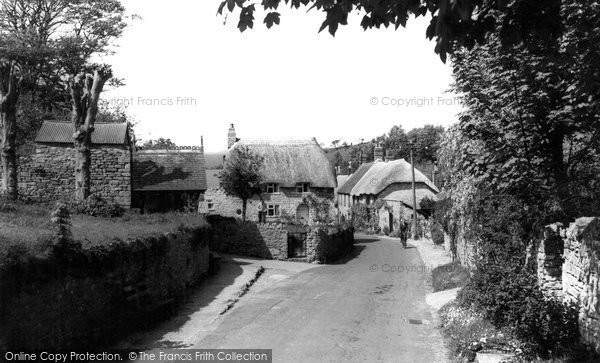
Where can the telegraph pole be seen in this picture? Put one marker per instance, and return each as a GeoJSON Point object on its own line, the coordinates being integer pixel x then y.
{"type": "Point", "coordinates": [414, 193]}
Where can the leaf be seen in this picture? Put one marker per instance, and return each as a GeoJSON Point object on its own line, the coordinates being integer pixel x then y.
{"type": "Point", "coordinates": [271, 18]}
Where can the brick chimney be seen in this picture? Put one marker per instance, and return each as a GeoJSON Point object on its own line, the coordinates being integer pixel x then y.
{"type": "Point", "coordinates": [388, 156]}
{"type": "Point", "coordinates": [378, 152]}
{"type": "Point", "coordinates": [362, 157]}
{"type": "Point", "coordinates": [231, 137]}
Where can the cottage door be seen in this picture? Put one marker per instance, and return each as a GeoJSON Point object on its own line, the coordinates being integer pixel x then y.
{"type": "Point", "coordinates": [302, 213]}
{"type": "Point", "coordinates": [391, 222]}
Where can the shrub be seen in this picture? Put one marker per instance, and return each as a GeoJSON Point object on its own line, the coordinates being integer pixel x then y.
{"type": "Point", "coordinates": [386, 230]}
{"type": "Point", "coordinates": [512, 298]}
{"type": "Point", "coordinates": [96, 206]}
{"type": "Point", "coordinates": [437, 233]}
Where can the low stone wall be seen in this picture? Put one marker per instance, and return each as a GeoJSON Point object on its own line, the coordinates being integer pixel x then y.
{"type": "Point", "coordinates": [568, 268]}
{"type": "Point", "coordinates": [580, 273]}
{"type": "Point", "coordinates": [85, 298]}
{"type": "Point", "coordinates": [270, 240]}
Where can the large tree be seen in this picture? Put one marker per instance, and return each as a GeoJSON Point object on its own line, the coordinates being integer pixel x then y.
{"type": "Point", "coordinates": [241, 175]}
{"type": "Point", "coordinates": [45, 45]}
{"type": "Point", "coordinates": [454, 23]}
{"type": "Point", "coordinates": [534, 115]}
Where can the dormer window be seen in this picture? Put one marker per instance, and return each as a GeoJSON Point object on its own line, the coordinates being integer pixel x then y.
{"type": "Point", "coordinates": [272, 188]}
{"type": "Point", "coordinates": [302, 187]}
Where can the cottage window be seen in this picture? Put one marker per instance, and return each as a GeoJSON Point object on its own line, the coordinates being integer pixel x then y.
{"type": "Point", "coordinates": [210, 204]}
{"type": "Point", "coordinates": [272, 188]}
{"type": "Point", "coordinates": [272, 210]}
{"type": "Point", "coordinates": [302, 187]}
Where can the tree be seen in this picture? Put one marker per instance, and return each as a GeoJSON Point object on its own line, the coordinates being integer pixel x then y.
{"type": "Point", "coordinates": [533, 116]}
{"type": "Point", "coordinates": [454, 24]}
{"type": "Point", "coordinates": [426, 142]}
{"type": "Point", "coordinates": [335, 143]}
{"type": "Point", "coordinates": [44, 45]}
{"type": "Point", "coordinates": [85, 93]}
{"type": "Point", "coordinates": [159, 144]}
{"type": "Point", "coordinates": [241, 175]}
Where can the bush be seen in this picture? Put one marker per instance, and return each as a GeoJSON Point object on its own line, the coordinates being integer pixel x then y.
{"type": "Point", "coordinates": [386, 230]}
{"type": "Point", "coordinates": [96, 206]}
{"type": "Point", "coordinates": [510, 297]}
{"type": "Point", "coordinates": [437, 233]}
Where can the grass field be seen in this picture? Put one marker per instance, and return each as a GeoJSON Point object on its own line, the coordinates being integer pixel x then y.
{"type": "Point", "coordinates": [30, 225]}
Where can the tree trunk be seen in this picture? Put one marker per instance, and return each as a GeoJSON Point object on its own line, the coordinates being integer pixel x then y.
{"type": "Point", "coordinates": [85, 94]}
{"type": "Point", "coordinates": [9, 95]}
{"type": "Point", "coordinates": [244, 203]}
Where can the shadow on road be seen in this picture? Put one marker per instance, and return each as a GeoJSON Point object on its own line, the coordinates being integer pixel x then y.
{"type": "Point", "coordinates": [356, 251]}
{"type": "Point", "coordinates": [152, 334]}
{"type": "Point", "coordinates": [365, 240]}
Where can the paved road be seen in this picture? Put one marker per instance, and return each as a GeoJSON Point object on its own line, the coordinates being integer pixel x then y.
{"type": "Point", "coordinates": [344, 312]}
{"type": "Point", "coordinates": [370, 308]}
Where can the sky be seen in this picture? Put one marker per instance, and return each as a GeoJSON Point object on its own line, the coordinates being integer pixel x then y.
{"type": "Point", "coordinates": [189, 73]}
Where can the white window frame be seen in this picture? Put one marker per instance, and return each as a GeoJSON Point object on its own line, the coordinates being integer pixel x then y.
{"type": "Point", "coordinates": [272, 188]}
{"type": "Point", "coordinates": [302, 187]}
{"type": "Point", "coordinates": [273, 210]}
{"type": "Point", "coordinates": [210, 205]}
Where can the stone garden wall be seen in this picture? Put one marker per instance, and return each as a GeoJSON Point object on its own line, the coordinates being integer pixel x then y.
{"type": "Point", "coordinates": [49, 175]}
{"type": "Point", "coordinates": [324, 244]}
{"type": "Point", "coordinates": [87, 298]}
{"type": "Point", "coordinates": [568, 268]}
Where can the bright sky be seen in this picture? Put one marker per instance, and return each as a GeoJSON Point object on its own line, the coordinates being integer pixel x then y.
{"type": "Point", "coordinates": [188, 74]}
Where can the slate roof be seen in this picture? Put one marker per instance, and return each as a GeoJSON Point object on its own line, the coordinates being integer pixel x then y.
{"type": "Point", "coordinates": [288, 162]}
{"type": "Point", "coordinates": [354, 178]}
{"type": "Point", "coordinates": [61, 132]}
{"type": "Point", "coordinates": [169, 170]}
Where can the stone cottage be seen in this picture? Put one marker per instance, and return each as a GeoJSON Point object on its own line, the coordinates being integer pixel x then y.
{"type": "Point", "coordinates": [292, 172]}
{"type": "Point", "coordinates": [49, 174]}
{"type": "Point", "coordinates": [388, 184]}
{"type": "Point", "coordinates": [153, 180]}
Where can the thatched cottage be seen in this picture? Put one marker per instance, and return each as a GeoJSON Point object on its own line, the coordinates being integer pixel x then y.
{"type": "Point", "coordinates": [151, 180]}
{"type": "Point", "coordinates": [292, 171]}
{"type": "Point", "coordinates": [387, 184]}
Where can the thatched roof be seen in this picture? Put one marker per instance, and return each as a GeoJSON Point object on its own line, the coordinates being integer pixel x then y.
{"type": "Point", "coordinates": [405, 196]}
{"type": "Point", "coordinates": [61, 132]}
{"type": "Point", "coordinates": [377, 176]}
{"type": "Point", "coordinates": [169, 170]}
{"type": "Point", "coordinates": [295, 161]}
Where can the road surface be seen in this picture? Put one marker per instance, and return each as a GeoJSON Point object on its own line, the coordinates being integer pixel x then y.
{"type": "Point", "coordinates": [369, 308]}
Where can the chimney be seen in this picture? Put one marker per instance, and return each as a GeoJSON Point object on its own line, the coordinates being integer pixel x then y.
{"type": "Point", "coordinates": [362, 157]}
{"type": "Point", "coordinates": [388, 156]}
{"type": "Point", "coordinates": [378, 152]}
{"type": "Point", "coordinates": [231, 138]}
{"type": "Point", "coordinates": [349, 167]}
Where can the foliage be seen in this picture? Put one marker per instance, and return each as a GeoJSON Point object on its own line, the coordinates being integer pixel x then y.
{"type": "Point", "coordinates": [437, 233]}
{"type": "Point", "coordinates": [503, 288]}
{"type": "Point", "coordinates": [321, 208]}
{"type": "Point", "coordinates": [364, 218]}
{"type": "Point", "coordinates": [241, 175]}
{"type": "Point", "coordinates": [96, 206]}
{"type": "Point", "coordinates": [454, 24]}
{"type": "Point", "coordinates": [449, 276]}
{"type": "Point", "coordinates": [159, 144]}
{"type": "Point", "coordinates": [533, 115]}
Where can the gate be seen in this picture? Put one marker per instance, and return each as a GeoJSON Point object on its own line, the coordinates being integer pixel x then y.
{"type": "Point", "coordinates": [296, 245]}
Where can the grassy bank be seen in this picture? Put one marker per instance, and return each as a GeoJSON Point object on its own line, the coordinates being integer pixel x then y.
{"type": "Point", "coordinates": [30, 226]}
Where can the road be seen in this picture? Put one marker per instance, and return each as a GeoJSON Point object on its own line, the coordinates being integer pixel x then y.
{"type": "Point", "coordinates": [369, 308]}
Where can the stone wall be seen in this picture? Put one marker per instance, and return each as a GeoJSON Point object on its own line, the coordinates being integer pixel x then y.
{"type": "Point", "coordinates": [270, 240]}
{"type": "Point", "coordinates": [287, 199]}
{"type": "Point", "coordinates": [580, 273]}
{"type": "Point", "coordinates": [88, 298]}
{"type": "Point", "coordinates": [549, 260]}
{"type": "Point", "coordinates": [49, 175]}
